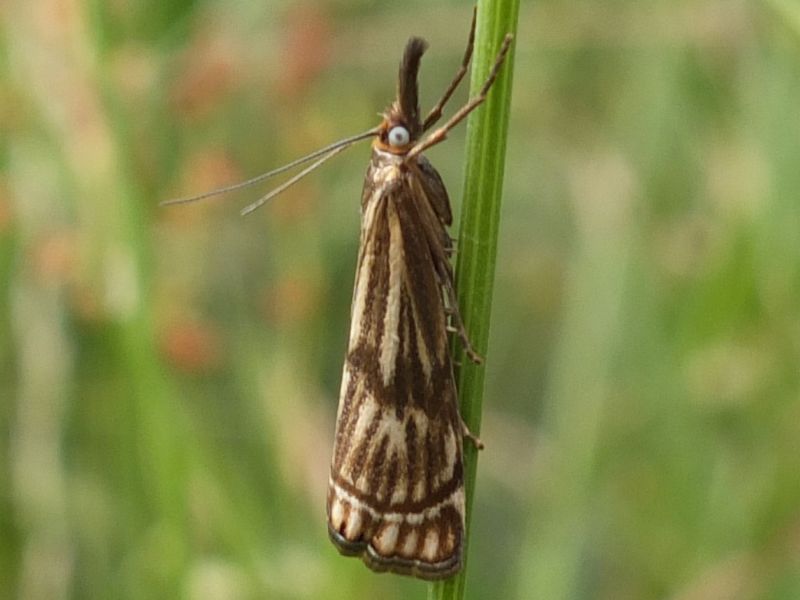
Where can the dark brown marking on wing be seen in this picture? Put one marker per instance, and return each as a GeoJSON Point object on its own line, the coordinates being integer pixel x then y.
{"type": "Point", "coordinates": [378, 280]}
{"type": "Point", "coordinates": [409, 505]}
{"type": "Point", "coordinates": [412, 448]}
{"type": "Point", "coordinates": [378, 466]}
{"type": "Point", "coordinates": [359, 455]}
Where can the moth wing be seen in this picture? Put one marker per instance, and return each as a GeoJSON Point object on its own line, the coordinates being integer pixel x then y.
{"type": "Point", "coordinates": [396, 494]}
{"type": "Point", "coordinates": [435, 190]}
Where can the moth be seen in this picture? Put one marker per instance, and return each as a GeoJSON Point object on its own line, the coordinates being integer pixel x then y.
{"type": "Point", "coordinates": [396, 491]}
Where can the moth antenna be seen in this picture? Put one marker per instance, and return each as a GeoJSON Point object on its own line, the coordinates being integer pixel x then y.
{"type": "Point", "coordinates": [328, 150]}
{"type": "Point", "coordinates": [290, 182]}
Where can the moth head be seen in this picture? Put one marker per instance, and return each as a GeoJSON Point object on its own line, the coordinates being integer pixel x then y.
{"type": "Point", "coordinates": [394, 134]}
{"type": "Point", "coordinates": [401, 123]}
{"type": "Point", "coordinates": [398, 136]}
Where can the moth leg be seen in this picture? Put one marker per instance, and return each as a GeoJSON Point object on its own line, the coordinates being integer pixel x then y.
{"type": "Point", "coordinates": [461, 332]}
{"type": "Point", "coordinates": [441, 134]}
{"type": "Point", "coordinates": [451, 248]}
{"type": "Point", "coordinates": [457, 325]}
{"type": "Point", "coordinates": [436, 112]}
{"type": "Point", "coordinates": [476, 441]}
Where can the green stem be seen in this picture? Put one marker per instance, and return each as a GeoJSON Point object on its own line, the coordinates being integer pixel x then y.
{"type": "Point", "coordinates": [487, 130]}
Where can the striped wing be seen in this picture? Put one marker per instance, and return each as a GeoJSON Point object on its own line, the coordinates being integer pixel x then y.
{"type": "Point", "coordinates": [396, 494]}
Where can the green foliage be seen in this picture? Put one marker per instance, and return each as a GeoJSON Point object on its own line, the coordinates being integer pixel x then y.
{"type": "Point", "coordinates": [477, 248]}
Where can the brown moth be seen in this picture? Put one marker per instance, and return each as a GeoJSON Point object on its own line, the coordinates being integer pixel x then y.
{"type": "Point", "coordinates": [396, 490]}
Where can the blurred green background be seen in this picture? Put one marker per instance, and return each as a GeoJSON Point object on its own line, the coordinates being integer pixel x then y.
{"type": "Point", "coordinates": [169, 376]}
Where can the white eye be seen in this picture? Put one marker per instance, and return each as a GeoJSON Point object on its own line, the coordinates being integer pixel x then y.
{"type": "Point", "coordinates": [398, 136]}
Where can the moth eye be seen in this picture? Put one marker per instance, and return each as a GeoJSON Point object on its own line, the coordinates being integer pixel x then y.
{"type": "Point", "coordinates": [398, 136]}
